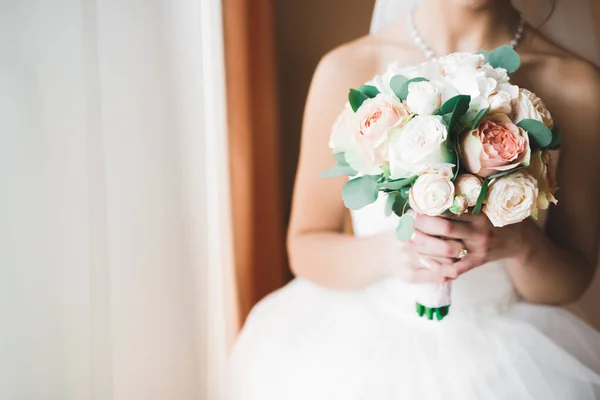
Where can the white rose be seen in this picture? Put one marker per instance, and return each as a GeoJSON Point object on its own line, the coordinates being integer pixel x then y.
{"type": "Point", "coordinates": [432, 193]}
{"type": "Point", "coordinates": [511, 199]}
{"type": "Point", "coordinates": [529, 106]}
{"type": "Point", "coordinates": [500, 101]}
{"type": "Point", "coordinates": [455, 61]}
{"type": "Point", "coordinates": [418, 146]}
{"type": "Point", "coordinates": [469, 186]}
{"type": "Point", "coordinates": [423, 98]}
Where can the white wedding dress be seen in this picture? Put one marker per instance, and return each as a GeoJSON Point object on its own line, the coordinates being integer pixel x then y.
{"type": "Point", "coordinates": [308, 342]}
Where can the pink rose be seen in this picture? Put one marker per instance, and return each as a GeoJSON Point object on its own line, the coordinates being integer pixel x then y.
{"type": "Point", "coordinates": [496, 145]}
{"type": "Point", "coordinates": [375, 118]}
{"type": "Point", "coordinates": [542, 169]}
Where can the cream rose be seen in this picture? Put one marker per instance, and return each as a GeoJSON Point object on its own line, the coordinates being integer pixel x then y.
{"type": "Point", "coordinates": [496, 145]}
{"type": "Point", "coordinates": [469, 186]}
{"type": "Point", "coordinates": [529, 106]}
{"type": "Point", "coordinates": [500, 101]}
{"type": "Point", "coordinates": [511, 198]}
{"type": "Point", "coordinates": [418, 146]}
{"type": "Point", "coordinates": [451, 63]}
{"type": "Point", "coordinates": [544, 171]}
{"type": "Point", "coordinates": [433, 192]}
{"type": "Point", "coordinates": [423, 98]}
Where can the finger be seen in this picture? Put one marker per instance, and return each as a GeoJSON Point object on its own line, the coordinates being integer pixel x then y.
{"type": "Point", "coordinates": [433, 246]}
{"type": "Point", "coordinates": [444, 269]}
{"type": "Point", "coordinates": [467, 264]}
{"type": "Point", "coordinates": [436, 226]}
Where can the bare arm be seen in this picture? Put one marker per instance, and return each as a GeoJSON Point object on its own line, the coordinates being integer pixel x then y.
{"type": "Point", "coordinates": [318, 248]}
{"type": "Point", "coordinates": [557, 268]}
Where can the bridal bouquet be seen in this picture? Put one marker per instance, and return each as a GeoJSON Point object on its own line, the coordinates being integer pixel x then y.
{"type": "Point", "coordinates": [449, 136]}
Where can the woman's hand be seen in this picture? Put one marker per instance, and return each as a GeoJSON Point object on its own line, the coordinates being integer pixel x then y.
{"type": "Point", "coordinates": [443, 239]}
{"type": "Point", "coordinates": [402, 261]}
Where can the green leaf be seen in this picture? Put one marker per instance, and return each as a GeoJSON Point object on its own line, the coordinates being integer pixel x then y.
{"type": "Point", "coordinates": [338, 170]}
{"type": "Point", "coordinates": [403, 92]}
{"type": "Point", "coordinates": [398, 183]}
{"type": "Point", "coordinates": [540, 137]}
{"type": "Point", "coordinates": [356, 98]}
{"type": "Point", "coordinates": [340, 158]}
{"type": "Point", "coordinates": [404, 192]}
{"type": "Point", "coordinates": [405, 230]}
{"type": "Point", "coordinates": [481, 198]}
{"type": "Point", "coordinates": [400, 206]}
{"type": "Point", "coordinates": [479, 117]}
{"type": "Point", "coordinates": [556, 140]}
{"type": "Point", "coordinates": [369, 91]}
{"type": "Point", "coordinates": [396, 84]}
{"type": "Point", "coordinates": [457, 106]}
{"type": "Point", "coordinates": [389, 203]}
{"type": "Point", "coordinates": [360, 192]}
{"type": "Point", "coordinates": [535, 214]}
{"type": "Point", "coordinates": [504, 57]}
{"type": "Point", "coordinates": [450, 104]}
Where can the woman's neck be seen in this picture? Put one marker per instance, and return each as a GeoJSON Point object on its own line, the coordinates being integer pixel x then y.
{"type": "Point", "coordinates": [447, 27]}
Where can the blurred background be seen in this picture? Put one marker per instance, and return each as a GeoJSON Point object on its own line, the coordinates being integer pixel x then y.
{"type": "Point", "coordinates": [148, 155]}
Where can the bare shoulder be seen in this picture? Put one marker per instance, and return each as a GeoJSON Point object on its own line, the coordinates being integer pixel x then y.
{"type": "Point", "coordinates": [558, 75]}
{"type": "Point", "coordinates": [357, 61]}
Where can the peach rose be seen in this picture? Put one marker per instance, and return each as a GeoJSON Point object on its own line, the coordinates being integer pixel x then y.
{"type": "Point", "coordinates": [375, 118]}
{"type": "Point", "coordinates": [511, 198]}
{"type": "Point", "coordinates": [496, 145]}
{"type": "Point", "coordinates": [362, 136]}
{"type": "Point", "coordinates": [542, 169]}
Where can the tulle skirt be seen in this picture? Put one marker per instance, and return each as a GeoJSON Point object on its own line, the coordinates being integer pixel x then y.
{"type": "Point", "coordinates": [310, 343]}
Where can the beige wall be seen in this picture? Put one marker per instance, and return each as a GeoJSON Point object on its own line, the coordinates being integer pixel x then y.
{"type": "Point", "coordinates": [307, 29]}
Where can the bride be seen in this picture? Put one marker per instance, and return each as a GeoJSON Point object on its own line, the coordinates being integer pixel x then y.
{"type": "Point", "coordinates": [346, 328]}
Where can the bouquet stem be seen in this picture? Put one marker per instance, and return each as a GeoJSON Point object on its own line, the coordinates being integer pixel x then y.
{"type": "Point", "coordinates": [433, 300]}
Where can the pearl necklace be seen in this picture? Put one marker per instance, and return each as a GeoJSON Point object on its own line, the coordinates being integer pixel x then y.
{"type": "Point", "coordinates": [414, 34]}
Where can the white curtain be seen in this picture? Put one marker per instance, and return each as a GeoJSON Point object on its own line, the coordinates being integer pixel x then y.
{"type": "Point", "coordinates": [112, 153]}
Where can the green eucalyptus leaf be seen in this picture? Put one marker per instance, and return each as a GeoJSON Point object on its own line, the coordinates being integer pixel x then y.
{"type": "Point", "coordinates": [403, 93]}
{"type": "Point", "coordinates": [396, 84]}
{"type": "Point", "coordinates": [369, 90]}
{"type": "Point", "coordinates": [504, 57]}
{"type": "Point", "coordinates": [340, 159]}
{"type": "Point", "coordinates": [540, 137]}
{"type": "Point", "coordinates": [479, 117]}
{"type": "Point", "coordinates": [400, 206]}
{"type": "Point", "coordinates": [389, 203]}
{"type": "Point", "coordinates": [451, 103]}
{"type": "Point", "coordinates": [398, 183]}
{"type": "Point", "coordinates": [405, 192]}
{"type": "Point", "coordinates": [360, 192]}
{"type": "Point", "coordinates": [482, 195]}
{"type": "Point", "coordinates": [405, 229]}
{"type": "Point", "coordinates": [356, 98]}
{"type": "Point", "coordinates": [338, 170]}
{"type": "Point", "coordinates": [556, 140]}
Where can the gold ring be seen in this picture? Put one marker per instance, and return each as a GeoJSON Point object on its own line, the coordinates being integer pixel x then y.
{"type": "Point", "coordinates": [463, 252]}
